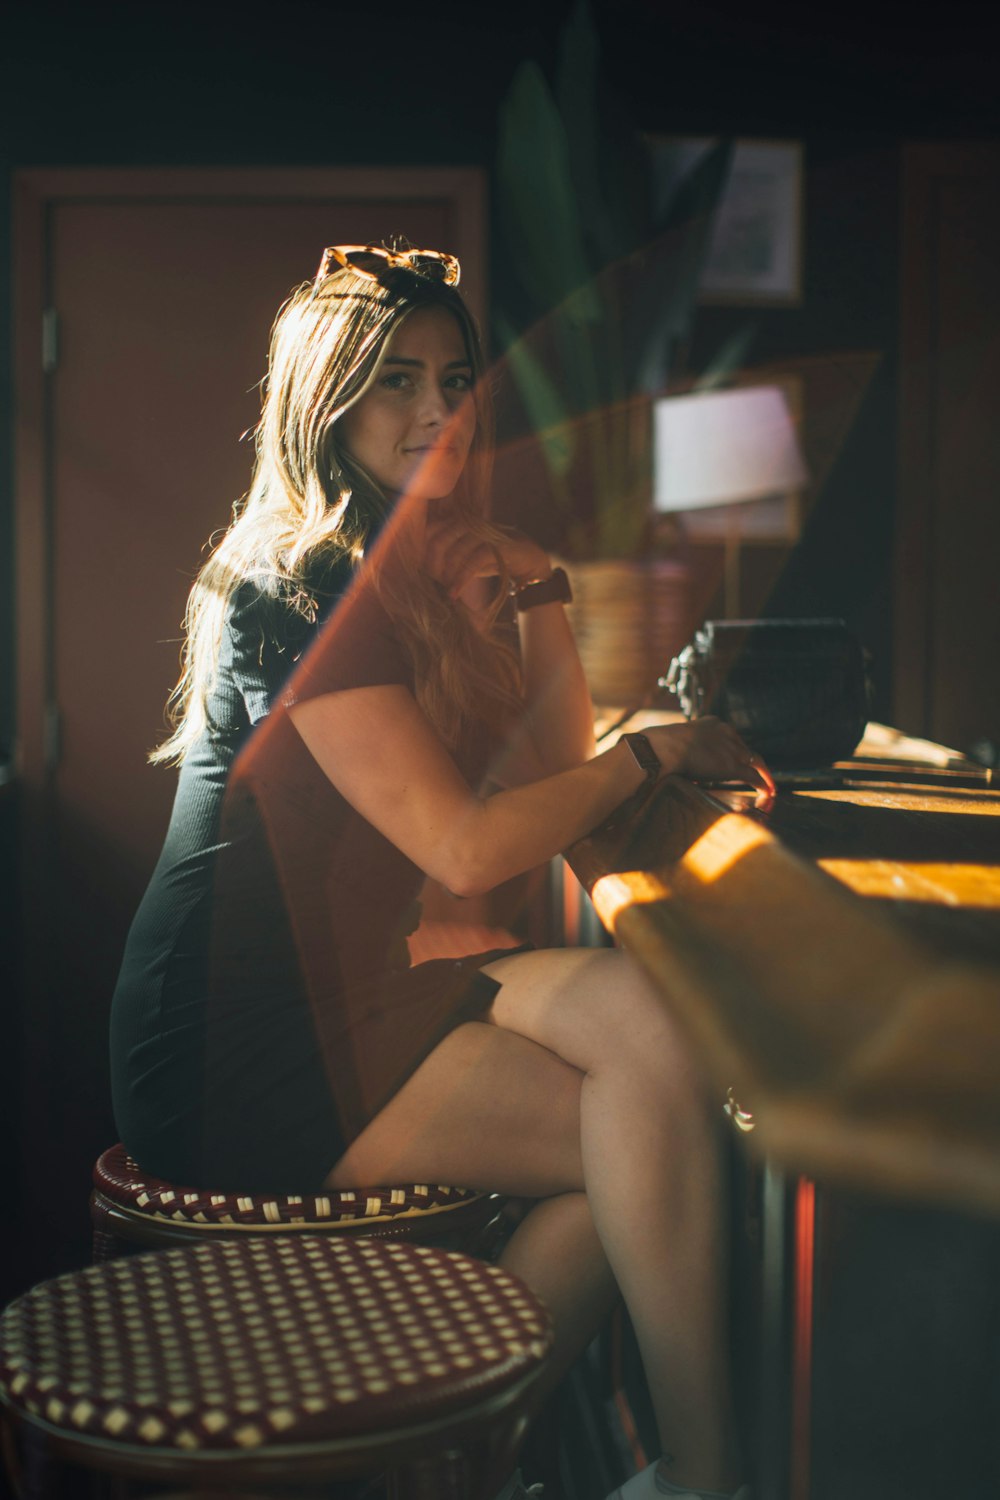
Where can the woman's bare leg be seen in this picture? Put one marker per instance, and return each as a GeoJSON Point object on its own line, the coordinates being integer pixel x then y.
{"type": "Point", "coordinates": [555, 1249]}
{"type": "Point", "coordinates": [584, 1082]}
{"type": "Point", "coordinates": [488, 1109]}
{"type": "Point", "coordinates": [651, 1164]}
{"type": "Point", "coordinates": [492, 1109]}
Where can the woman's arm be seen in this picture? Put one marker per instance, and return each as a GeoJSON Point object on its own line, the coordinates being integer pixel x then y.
{"type": "Point", "coordinates": [559, 716]}
{"type": "Point", "coordinates": [557, 700]}
{"type": "Point", "coordinates": [382, 755]}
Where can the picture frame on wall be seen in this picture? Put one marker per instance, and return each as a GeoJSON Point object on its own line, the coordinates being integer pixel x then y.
{"type": "Point", "coordinates": [755, 251]}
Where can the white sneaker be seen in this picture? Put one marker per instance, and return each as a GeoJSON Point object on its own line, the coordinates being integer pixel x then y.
{"type": "Point", "coordinates": [743, 1493]}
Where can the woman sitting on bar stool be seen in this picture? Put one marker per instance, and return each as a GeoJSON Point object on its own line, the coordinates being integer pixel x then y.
{"type": "Point", "coordinates": [345, 729]}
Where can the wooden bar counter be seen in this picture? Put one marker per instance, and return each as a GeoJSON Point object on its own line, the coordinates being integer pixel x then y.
{"type": "Point", "coordinates": [836, 958]}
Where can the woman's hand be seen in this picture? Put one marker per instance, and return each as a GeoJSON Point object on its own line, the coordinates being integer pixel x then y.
{"type": "Point", "coordinates": [556, 729]}
{"type": "Point", "coordinates": [710, 750]}
{"type": "Point", "coordinates": [457, 559]}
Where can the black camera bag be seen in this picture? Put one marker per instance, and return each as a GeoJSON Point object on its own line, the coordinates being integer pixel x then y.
{"type": "Point", "coordinates": [796, 690]}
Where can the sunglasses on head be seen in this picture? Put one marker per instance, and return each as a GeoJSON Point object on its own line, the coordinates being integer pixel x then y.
{"type": "Point", "coordinates": [373, 261]}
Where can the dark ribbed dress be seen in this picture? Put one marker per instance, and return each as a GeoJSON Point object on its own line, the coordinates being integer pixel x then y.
{"type": "Point", "coordinates": [265, 1009]}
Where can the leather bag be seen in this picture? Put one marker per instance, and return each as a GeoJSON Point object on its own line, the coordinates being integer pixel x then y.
{"type": "Point", "coordinates": [796, 690]}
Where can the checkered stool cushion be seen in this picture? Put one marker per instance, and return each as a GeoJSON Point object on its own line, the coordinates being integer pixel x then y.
{"type": "Point", "coordinates": [248, 1345]}
{"type": "Point", "coordinates": [122, 1187]}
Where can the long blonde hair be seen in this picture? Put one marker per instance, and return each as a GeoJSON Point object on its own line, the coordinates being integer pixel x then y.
{"type": "Point", "coordinates": [310, 501]}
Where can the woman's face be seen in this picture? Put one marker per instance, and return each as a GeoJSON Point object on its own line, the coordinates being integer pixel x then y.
{"type": "Point", "coordinates": [413, 428]}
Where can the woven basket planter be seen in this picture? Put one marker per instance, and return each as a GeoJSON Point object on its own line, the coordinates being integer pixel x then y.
{"type": "Point", "coordinates": [629, 618]}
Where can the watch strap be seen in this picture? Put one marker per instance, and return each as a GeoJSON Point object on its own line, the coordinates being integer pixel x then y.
{"type": "Point", "coordinates": [552, 590]}
{"type": "Point", "coordinates": [644, 755]}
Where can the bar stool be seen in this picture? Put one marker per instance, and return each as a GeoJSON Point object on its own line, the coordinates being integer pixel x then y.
{"type": "Point", "coordinates": [131, 1210]}
{"type": "Point", "coordinates": [291, 1359]}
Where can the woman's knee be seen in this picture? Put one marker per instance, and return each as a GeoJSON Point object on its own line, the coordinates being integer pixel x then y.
{"type": "Point", "coordinates": [594, 1007]}
{"type": "Point", "coordinates": [648, 1023]}
{"type": "Point", "coordinates": [485, 1109]}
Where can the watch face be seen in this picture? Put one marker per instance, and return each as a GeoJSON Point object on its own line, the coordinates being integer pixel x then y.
{"type": "Point", "coordinates": [643, 754]}
{"type": "Point", "coordinates": [552, 590]}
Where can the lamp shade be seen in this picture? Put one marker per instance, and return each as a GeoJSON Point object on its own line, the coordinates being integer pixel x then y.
{"type": "Point", "coordinates": [722, 447]}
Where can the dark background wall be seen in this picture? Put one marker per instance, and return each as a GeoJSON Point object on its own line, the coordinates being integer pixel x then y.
{"type": "Point", "coordinates": [308, 82]}
{"type": "Point", "coordinates": [298, 83]}
{"type": "Point", "coordinates": [302, 83]}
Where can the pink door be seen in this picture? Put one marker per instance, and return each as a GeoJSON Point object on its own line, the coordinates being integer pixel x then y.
{"type": "Point", "coordinates": [131, 454]}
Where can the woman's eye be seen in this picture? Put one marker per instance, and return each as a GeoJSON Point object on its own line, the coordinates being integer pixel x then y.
{"type": "Point", "coordinates": [397, 381]}
{"type": "Point", "coordinates": [460, 382]}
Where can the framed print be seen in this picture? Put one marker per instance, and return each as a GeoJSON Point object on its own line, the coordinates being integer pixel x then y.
{"type": "Point", "coordinates": [755, 250]}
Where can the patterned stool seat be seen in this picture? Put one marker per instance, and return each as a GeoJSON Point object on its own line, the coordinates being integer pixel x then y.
{"type": "Point", "coordinates": [299, 1356]}
{"type": "Point", "coordinates": [129, 1206]}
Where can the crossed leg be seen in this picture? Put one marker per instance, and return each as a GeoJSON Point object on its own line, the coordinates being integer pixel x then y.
{"type": "Point", "coordinates": [582, 1093]}
{"type": "Point", "coordinates": [489, 1108]}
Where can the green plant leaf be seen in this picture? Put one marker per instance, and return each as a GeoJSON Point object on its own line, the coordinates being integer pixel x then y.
{"type": "Point", "coordinates": [698, 192]}
{"type": "Point", "coordinates": [663, 295]}
{"type": "Point", "coordinates": [730, 358]}
{"type": "Point", "coordinates": [536, 201]}
{"type": "Point", "coordinates": [545, 406]}
{"type": "Point", "coordinates": [607, 225]}
{"type": "Point", "coordinates": [614, 297]}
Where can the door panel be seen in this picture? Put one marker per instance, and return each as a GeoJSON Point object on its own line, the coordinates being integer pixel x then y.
{"type": "Point", "coordinates": [947, 625]}
{"type": "Point", "coordinates": [165, 311]}
{"type": "Point", "coordinates": [128, 461]}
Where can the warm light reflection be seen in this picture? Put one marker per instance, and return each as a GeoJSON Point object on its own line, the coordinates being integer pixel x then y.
{"type": "Point", "coordinates": [613, 893]}
{"type": "Point", "coordinates": [710, 857]}
{"type": "Point", "coordinates": [882, 741]}
{"type": "Point", "coordinates": [928, 800]}
{"type": "Point", "coordinates": [722, 846]}
{"type": "Point", "coordinates": [802, 1354]}
{"type": "Point", "coordinates": [938, 884]}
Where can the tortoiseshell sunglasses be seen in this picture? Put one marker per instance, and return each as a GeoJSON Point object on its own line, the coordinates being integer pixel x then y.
{"type": "Point", "coordinates": [372, 261]}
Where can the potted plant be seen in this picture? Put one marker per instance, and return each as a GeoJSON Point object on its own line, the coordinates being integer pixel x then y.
{"type": "Point", "coordinates": [602, 281]}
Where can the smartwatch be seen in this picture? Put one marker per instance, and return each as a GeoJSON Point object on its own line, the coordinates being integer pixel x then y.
{"type": "Point", "coordinates": [644, 755]}
{"type": "Point", "coordinates": [552, 590]}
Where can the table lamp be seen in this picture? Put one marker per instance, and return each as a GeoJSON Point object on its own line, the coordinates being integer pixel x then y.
{"type": "Point", "coordinates": [724, 448]}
